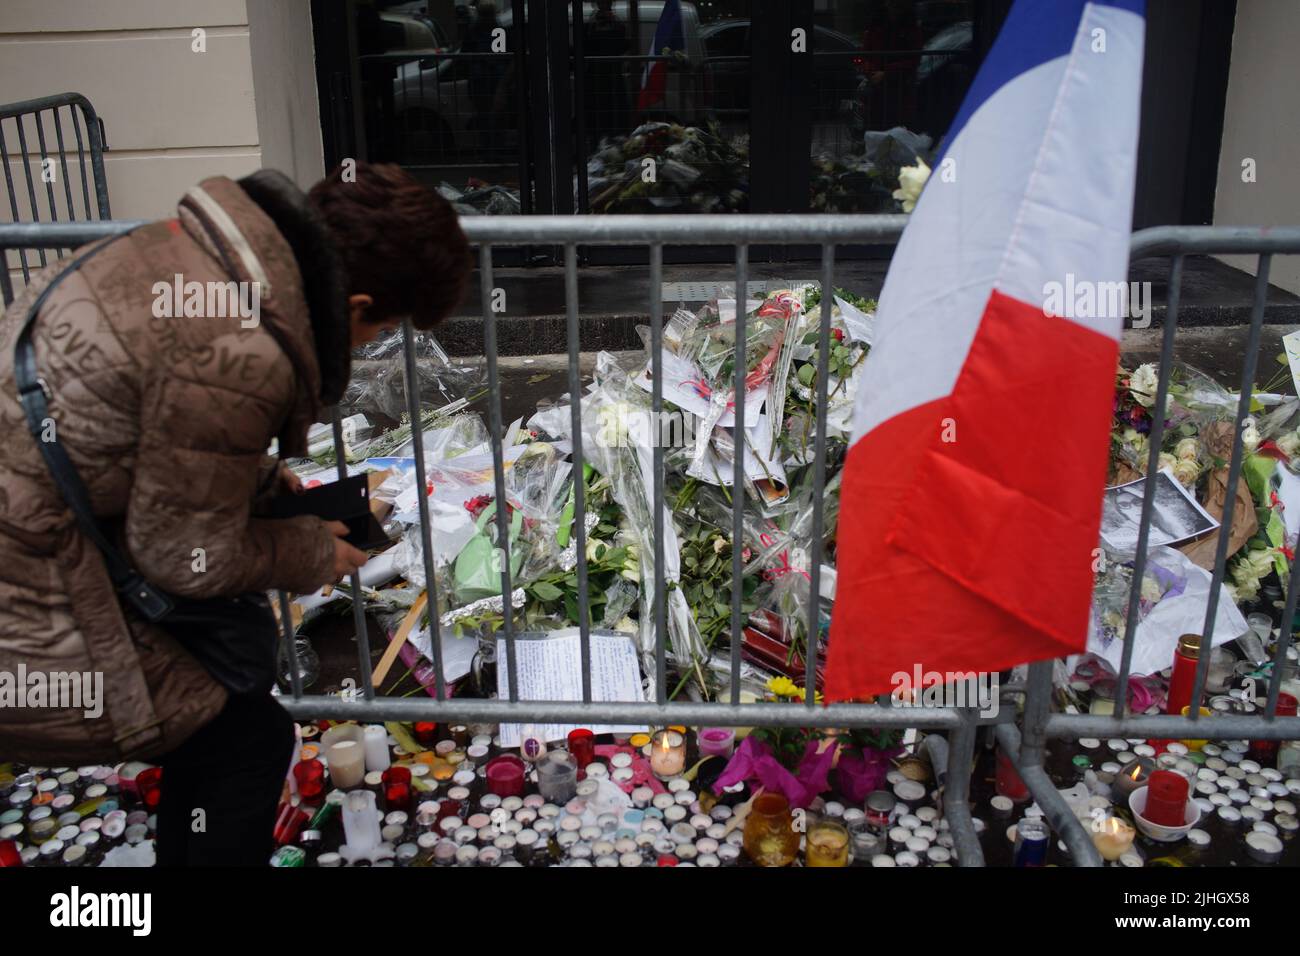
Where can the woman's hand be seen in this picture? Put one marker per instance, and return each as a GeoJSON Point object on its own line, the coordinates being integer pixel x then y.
{"type": "Point", "coordinates": [346, 558]}
{"type": "Point", "coordinates": [287, 482]}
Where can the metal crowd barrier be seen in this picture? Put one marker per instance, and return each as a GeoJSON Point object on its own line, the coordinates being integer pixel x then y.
{"type": "Point", "coordinates": [1039, 723]}
{"type": "Point", "coordinates": [39, 123]}
{"type": "Point", "coordinates": [960, 723]}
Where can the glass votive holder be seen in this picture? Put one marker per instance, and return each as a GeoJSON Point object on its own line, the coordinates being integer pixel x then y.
{"type": "Point", "coordinates": [716, 741]}
{"type": "Point", "coordinates": [344, 749]}
{"type": "Point", "coordinates": [397, 788]}
{"type": "Point", "coordinates": [769, 838]}
{"type": "Point", "coordinates": [557, 776]}
{"type": "Point", "coordinates": [505, 776]}
{"type": "Point", "coordinates": [582, 744]}
{"type": "Point", "coordinates": [668, 753]}
{"type": "Point", "coordinates": [866, 843]}
{"type": "Point", "coordinates": [827, 844]}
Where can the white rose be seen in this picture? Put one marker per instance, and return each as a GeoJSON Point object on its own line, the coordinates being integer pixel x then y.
{"type": "Point", "coordinates": [1249, 435]}
{"type": "Point", "coordinates": [1187, 449]}
{"type": "Point", "coordinates": [1186, 470]}
{"type": "Point", "coordinates": [1262, 561]}
{"type": "Point", "coordinates": [911, 180]}
{"type": "Point", "coordinates": [1143, 384]}
{"type": "Point", "coordinates": [1165, 460]}
{"type": "Point", "coordinates": [1289, 443]}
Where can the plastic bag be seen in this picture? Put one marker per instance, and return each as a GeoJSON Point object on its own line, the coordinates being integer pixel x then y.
{"type": "Point", "coordinates": [378, 383]}
{"type": "Point", "coordinates": [628, 466]}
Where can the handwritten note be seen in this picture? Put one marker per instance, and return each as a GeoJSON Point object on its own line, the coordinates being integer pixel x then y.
{"type": "Point", "coordinates": [1291, 343]}
{"type": "Point", "coordinates": [550, 668]}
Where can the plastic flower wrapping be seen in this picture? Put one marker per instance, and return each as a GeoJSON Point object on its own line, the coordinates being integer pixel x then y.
{"type": "Point", "coordinates": [782, 620]}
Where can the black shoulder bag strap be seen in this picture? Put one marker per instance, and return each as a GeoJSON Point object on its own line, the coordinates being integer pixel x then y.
{"type": "Point", "coordinates": [33, 393]}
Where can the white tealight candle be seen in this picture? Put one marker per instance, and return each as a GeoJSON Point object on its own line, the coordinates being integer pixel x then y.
{"type": "Point", "coordinates": [347, 762]}
{"type": "Point", "coordinates": [376, 742]}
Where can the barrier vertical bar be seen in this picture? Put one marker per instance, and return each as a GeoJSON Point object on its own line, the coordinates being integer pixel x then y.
{"type": "Point", "coordinates": [819, 475]}
{"type": "Point", "coordinates": [1155, 438]}
{"type": "Point", "coordinates": [1234, 474]}
{"type": "Point", "coordinates": [656, 307]}
{"type": "Point", "coordinates": [738, 474]}
{"type": "Point", "coordinates": [290, 643]}
{"type": "Point", "coordinates": [422, 498]}
{"type": "Point", "coordinates": [358, 598]}
{"type": "Point", "coordinates": [498, 466]}
{"type": "Point", "coordinates": [579, 484]}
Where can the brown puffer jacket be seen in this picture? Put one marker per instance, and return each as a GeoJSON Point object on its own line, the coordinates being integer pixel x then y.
{"type": "Point", "coordinates": [168, 421]}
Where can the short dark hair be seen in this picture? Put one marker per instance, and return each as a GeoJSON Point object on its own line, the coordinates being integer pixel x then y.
{"type": "Point", "coordinates": [402, 242]}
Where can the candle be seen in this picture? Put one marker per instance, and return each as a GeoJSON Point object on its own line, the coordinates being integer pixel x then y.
{"type": "Point", "coordinates": [397, 788]}
{"type": "Point", "coordinates": [532, 744]}
{"type": "Point", "coordinates": [668, 753]}
{"type": "Point", "coordinates": [310, 778]}
{"type": "Point", "coordinates": [426, 732]}
{"type": "Point", "coordinates": [505, 776]}
{"type": "Point", "coordinates": [1131, 778]}
{"type": "Point", "coordinates": [376, 747]}
{"type": "Point", "coordinates": [360, 824]}
{"type": "Point", "coordinates": [1166, 803]}
{"type": "Point", "coordinates": [716, 741]}
{"type": "Point", "coordinates": [557, 776]}
{"type": "Point", "coordinates": [1112, 837]}
{"type": "Point", "coordinates": [345, 753]}
{"type": "Point", "coordinates": [827, 844]}
{"type": "Point", "coordinates": [582, 744]}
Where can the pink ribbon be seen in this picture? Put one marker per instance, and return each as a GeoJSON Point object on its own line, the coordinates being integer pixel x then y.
{"type": "Point", "coordinates": [1143, 691]}
{"type": "Point", "coordinates": [753, 762]}
{"type": "Point", "coordinates": [785, 567]}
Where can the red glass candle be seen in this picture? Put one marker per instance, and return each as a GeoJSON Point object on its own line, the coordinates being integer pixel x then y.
{"type": "Point", "coordinates": [666, 860]}
{"type": "Point", "coordinates": [582, 744]}
{"type": "Point", "coordinates": [426, 732]}
{"type": "Point", "coordinates": [505, 776]}
{"type": "Point", "coordinates": [448, 808]}
{"type": "Point", "coordinates": [1007, 781]}
{"type": "Point", "coordinates": [1166, 799]}
{"type": "Point", "coordinates": [289, 823]}
{"type": "Point", "coordinates": [310, 777]}
{"type": "Point", "coordinates": [149, 786]}
{"type": "Point", "coordinates": [1265, 751]}
{"type": "Point", "coordinates": [1183, 678]}
{"type": "Point", "coordinates": [397, 789]}
{"type": "Point", "coordinates": [9, 855]}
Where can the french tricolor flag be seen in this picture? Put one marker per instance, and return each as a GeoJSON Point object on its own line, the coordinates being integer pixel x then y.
{"type": "Point", "coordinates": [972, 491]}
{"type": "Point", "coordinates": [669, 35]}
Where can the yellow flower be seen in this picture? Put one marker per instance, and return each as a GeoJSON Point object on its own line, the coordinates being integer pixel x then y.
{"type": "Point", "coordinates": [782, 687]}
{"type": "Point", "coordinates": [802, 694]}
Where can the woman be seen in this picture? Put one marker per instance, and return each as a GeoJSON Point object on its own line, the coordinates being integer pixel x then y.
{"type": "Point", "coordinates": [166, 412]}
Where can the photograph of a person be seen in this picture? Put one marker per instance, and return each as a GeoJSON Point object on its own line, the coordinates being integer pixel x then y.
{"type": "Point", "coordinates": [1176, 516]}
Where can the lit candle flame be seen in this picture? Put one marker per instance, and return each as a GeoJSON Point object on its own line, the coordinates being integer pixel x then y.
{"type": "Point", "coordinates": [1137, 772]}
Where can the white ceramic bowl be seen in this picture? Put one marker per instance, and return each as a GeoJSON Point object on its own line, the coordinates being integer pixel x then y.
{"type": "Point", "coordinates": [1137, 802]}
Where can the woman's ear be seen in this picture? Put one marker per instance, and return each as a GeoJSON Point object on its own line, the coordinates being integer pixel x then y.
{"type": "Point", "coordinates": [358, 328]}
{"type": "Point", "coordinates": [357, 305]}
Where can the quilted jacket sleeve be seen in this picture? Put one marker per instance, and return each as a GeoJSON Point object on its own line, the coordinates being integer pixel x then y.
{"type": "Point", "coordinates": [203, 436]}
